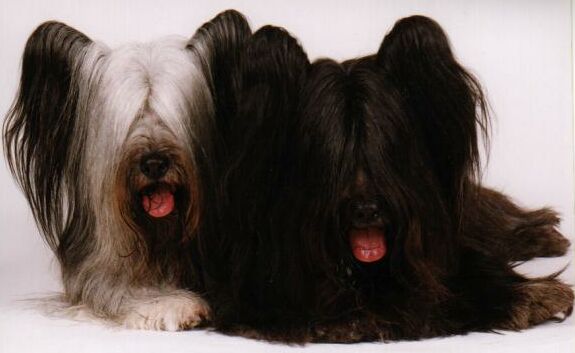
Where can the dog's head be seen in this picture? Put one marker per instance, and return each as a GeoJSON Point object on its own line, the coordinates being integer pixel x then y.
{"type": "Point", "coordinates": [148, 117]}
{"type": "Point", "coordinates": [114, 149]}
{"type": "Point", "coordinates": [388, 146]}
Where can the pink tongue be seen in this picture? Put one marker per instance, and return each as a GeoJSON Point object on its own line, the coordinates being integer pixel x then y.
{"type": "Point", "coordinates": [368, 245]}
{"type": "Point", "coordinates": [159, 204]}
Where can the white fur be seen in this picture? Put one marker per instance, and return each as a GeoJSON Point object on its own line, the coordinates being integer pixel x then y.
{"type": "Point", "coordinates": [171, 311]}
{"type": "Point", "coordinates": [115, 106]}
{"type": "Point", "coordinates": [135, 91]}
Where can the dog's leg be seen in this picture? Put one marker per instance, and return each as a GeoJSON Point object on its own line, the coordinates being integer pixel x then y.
{"type": "Point", "coordinates": [144, 309]}
{"type": "Point", "coordinates": [132, 293]}
{"type": "Point", "coordinates": [497, 226]}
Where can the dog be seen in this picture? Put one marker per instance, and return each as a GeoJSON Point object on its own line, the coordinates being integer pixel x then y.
{"type": "Point", "coordinates": [353, 209]}
{"type": "Point", "coordinates": [116, 150]}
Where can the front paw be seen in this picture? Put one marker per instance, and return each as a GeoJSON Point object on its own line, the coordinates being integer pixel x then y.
{"type": "Point", "coordinates": [171, 312]}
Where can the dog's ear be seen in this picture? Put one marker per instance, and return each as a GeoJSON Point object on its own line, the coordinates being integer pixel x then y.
{"type": "Point", "coordinates": [445, 102]}
{"type": "Point", "coordinates": [273, 68]}
{"type": "Point", "coordinates": [217, 45]}
{"type": "Point", "coordinates": [39, 130]}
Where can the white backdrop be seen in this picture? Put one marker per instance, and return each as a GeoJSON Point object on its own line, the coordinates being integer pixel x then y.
{"type": "Point", "coordinates": [520, 50]}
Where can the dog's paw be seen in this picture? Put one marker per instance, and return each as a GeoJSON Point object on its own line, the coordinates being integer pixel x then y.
{"type": "Point", "coordinates": [172, 312]}
{"type": "Point", "coordinates": [539, 301]}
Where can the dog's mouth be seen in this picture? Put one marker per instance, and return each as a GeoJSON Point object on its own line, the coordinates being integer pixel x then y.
{"type": "Point", "coordinates": [368, 244]}
{"type": "Point", "coordinates": [158, 201]}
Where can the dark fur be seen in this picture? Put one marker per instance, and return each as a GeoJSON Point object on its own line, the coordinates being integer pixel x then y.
{"type": "Point", "coordinates": [218, 44]}
{"type": "Point", "coordinates": [401, 127]}
{"type": "Point", "coordinates": [47, 90]}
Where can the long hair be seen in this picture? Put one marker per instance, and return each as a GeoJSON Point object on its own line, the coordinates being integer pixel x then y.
{"type": "Point", "coordinates": [255, 254]}
{"type": "Point", "coordinates": [83, 116]}
{"type": "Point", "coordinates": [444, 99]}
{"type": "Point", "coordinates": [398, 130]}
{"type": "Point", "coordinates": [304, 139]}
{"type": "Point", "coordinates": [42, 127]}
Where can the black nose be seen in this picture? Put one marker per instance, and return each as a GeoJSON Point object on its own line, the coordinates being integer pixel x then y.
{"type": "Point", "coordinates": [365, 213]}
{"type": "Point", "coordinates": [154, 166]}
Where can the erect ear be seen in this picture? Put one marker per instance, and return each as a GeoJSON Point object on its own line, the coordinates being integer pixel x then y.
{"type": "Point", "coordinates": [444, 101]}
{"type": "Point", "coordinates": [273, 68]}
{"type": "Point", "coordinates": [217, 44]}
{"type": "Point", "coordinates": [39, 128]}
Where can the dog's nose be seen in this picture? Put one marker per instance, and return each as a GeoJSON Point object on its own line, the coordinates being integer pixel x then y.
{"type": "Point", "coordinates": [365, 213]}
{"type": "Point", "coordinates": [154, 166]}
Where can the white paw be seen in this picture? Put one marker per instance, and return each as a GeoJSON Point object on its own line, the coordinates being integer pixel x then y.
{"type": "Point", "coordinates": [170, 312]}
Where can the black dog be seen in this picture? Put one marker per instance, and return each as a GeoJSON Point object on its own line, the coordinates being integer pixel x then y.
{"type": "Point", "coordinates": [352, 210]}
